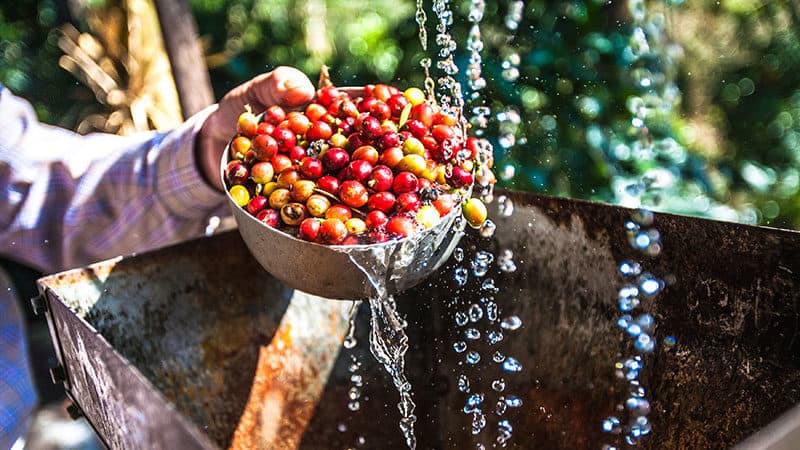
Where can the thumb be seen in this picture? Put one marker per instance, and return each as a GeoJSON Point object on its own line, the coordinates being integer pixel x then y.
{"type": "Point", "coordinates": [285, 86]}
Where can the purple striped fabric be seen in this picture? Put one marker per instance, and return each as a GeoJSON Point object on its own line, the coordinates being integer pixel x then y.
{"type": "Point", "coordinates": [67, 200]}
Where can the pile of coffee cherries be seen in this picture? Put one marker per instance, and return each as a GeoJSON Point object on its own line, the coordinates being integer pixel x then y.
{"type": "Point", "coordinates": [357, 170]}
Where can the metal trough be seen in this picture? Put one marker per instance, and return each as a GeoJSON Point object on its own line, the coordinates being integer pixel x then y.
{"type": "Point", "coordinates": [194, 346]}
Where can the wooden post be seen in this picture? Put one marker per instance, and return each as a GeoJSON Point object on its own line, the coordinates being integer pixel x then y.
{"type": "Point", "coordinates": [188, 68]}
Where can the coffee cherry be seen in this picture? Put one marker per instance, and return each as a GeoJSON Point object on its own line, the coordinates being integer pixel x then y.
{"type": "Point", "coordinates": [353, 194]}
{"type": "Point", "coordinates": [263, 172]}
{"type": "Point", "coordinates": [415, 164]}
{"type": "Point", "coordinates": [428, 216]}
{"type": "Point", "coordinates": [328, 94]}
{"type": "Point", "coordinates": [329, 184]}
{"type": "Point", "coordinates": [380, 111]}
{"type": "Point", "coordinates": [391, 156]}
{"type": "Point", "coordinates": [366, 153]}
{"type": "Point", "coordinates": [247, 124]}
{"type": "Point", "coordinates": [340, 212]}
{"type": "Point", "coordinates": [382, 201]}
{"type": "Point", "coordinates": [293, 213]}
{"type": "Point", "coordinates": [311, 167]}
{"type": "Point", "coordinates": [416, 128]}
{"type": "Point", "coordinates": [240, 195]}
{"type": "Point", "coordinates": [319, 130]}
{"type": "Point", "coordinates": [338, 140]}
{"type": "Point", "coordinates": [236, 172]}
{"type": "Point", "coordinates": [424, 113]}
{"type": "Point", "coordinates": [396, 104]}
{"type": "Point", "coordinates": [315, 112]}
{"type": "Point", "coordinates": [380, 179]}
{"type": "Point", "coordinates": [358, 170]}
{"type": "Point", "coordinates": [268, 188]}
{"type": "Point", "coordinates": [239, 147]}
{"type": "Point", "coordinates": [285, 138]}
{"type": "Point", "coordinates": [265, 147]}
{"type": "Point", "coordinates": [370, 127]}
{"type": "Point", "coordinates": [400, 226]}
{"type": "Point", "coordinates": [309, 229]}
{"type": "Point", "coordinates": [268, 216]}
{"type": "Point", "coordinates": [444, 118]}
{"type": "Point", "coordinates": [335, 159]}
{"type": "Point", "coordinates": [376, 219]}
{"type": "Point", "coordinates": [459, 177]}
{"type": "Point", "coordinates": [287, 178]}
{"type": "Point", "coordinates": [388, 139]}
{"type": "Point", "coordinates": [408, 202]}
{"type": "Point", "coordinates": [275, 115]}
{"type": "Point", "coordinates": [332, 231]}
{"type": "Point", "coordinates": [475, 212]}
{"type": "Point", "coordinates": [317, 205]}
{"type": "Point", "coordinates": [256, 204]}
{"type": "Point", "coordinates": [279, 198]}
{"type": "Point", "coordinates": [442, 132]}
{"type": "Point", "coordinates": [297, 153]}
{"type": "Point", "coordinates": [444, 203]}
{"type": "Point", "coordinates": [299, 124]}
{"type": "Point", "coordinates": [413, 146]}
{"type": "Point", "coordinates": [405, 182]}
{"type": "Point", "coordinates": [355, 226]}
{"type": "Point", "coordinates": [265, 128]}
{"type": "Point", "coordinates": [302, 190]}
{"type": "Point", "coordinates": [281, 163]}
{"type": "Point", "coordinates": [414, 95]}
{"type": "Point", "coordinates": [381, 92]}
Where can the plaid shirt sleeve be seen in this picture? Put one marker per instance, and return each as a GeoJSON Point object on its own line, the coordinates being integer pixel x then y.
{"type": "Point", "coordinates": [68, 200]}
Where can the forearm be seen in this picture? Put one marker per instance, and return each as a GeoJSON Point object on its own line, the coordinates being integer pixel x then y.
{"type": "Point", "coordinates": [69, 200]}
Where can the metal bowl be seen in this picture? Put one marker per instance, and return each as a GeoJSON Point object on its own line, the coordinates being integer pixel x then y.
{"type": "Point", "coordinates": [346, 272]}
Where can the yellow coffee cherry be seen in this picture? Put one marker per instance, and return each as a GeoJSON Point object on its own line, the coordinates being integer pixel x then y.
{"type": "Point", "coordinates": [240, 195]}
{"type": "Point", "coordinates": [415, 96]}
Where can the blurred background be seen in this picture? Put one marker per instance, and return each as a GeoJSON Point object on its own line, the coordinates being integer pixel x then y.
{"type": "Point", "coordinates": [562, 85]}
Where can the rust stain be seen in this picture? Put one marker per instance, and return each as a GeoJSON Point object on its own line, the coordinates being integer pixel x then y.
{"type": "Point", "coordinates": [282, 399]}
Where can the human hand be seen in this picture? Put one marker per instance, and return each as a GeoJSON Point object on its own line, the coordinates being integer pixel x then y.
{"type": "Point", "coordinates": [285, 86]}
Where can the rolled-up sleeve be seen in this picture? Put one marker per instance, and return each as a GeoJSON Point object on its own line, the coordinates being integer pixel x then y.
{"type": "Point", "coordinates": [68, 200]}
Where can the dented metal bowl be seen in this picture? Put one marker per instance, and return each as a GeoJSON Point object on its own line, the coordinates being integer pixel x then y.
{"type": "Point", "coordinates": [344, 272]}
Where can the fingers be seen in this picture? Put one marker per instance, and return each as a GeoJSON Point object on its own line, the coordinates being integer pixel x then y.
{"type": "Point", "coordinates": [284, 86]}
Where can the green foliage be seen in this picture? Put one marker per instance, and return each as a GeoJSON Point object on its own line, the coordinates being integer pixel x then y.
{"type": "Point", "coordinates": [729, 141]}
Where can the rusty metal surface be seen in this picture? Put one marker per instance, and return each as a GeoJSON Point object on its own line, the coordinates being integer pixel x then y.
{"type": "Point", "coordinates": [253, 368]}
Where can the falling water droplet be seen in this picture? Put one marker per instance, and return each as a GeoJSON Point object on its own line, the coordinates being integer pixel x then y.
{"type": "Point", "coordinates": [494, 337]}
{"type": "Point", "coordinates": [513, 401]}
{"type": "Point", "coordinates": [511, 323]}
{"type": "Point", "coordinates": [461, 276]}
{"type": "Point", "coordinates": [475, 312]}
{"type": "Point", "coordinates": [491, 311]}
{"type": "Point", "coordinates": [460, 346]}
{"type": "Point", "coordinates": [473, 357]}
{"type": "Point", "coordinates": [461, 318]}
{"type": "Point", "coordinates": [498, 357]}
{"type": "Point", "coordinates": [458, 254]}
{"type": "Point", "coordinates": [463, 383]}
{"type": "Point", "coordinates": [489, 286]}
{"type": "Point", "coordinates": [488, 228]}
{"type": "Point", "coordinates": [611, 424]}
{"type": "Point", "coordinates": [499, 385]}
{"type": "Point", "coordinates": [472, 334]}
{"type": "Point", "coordinates": [512, 365]}
{"type": "Point", "coordinates": [500, 407]}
